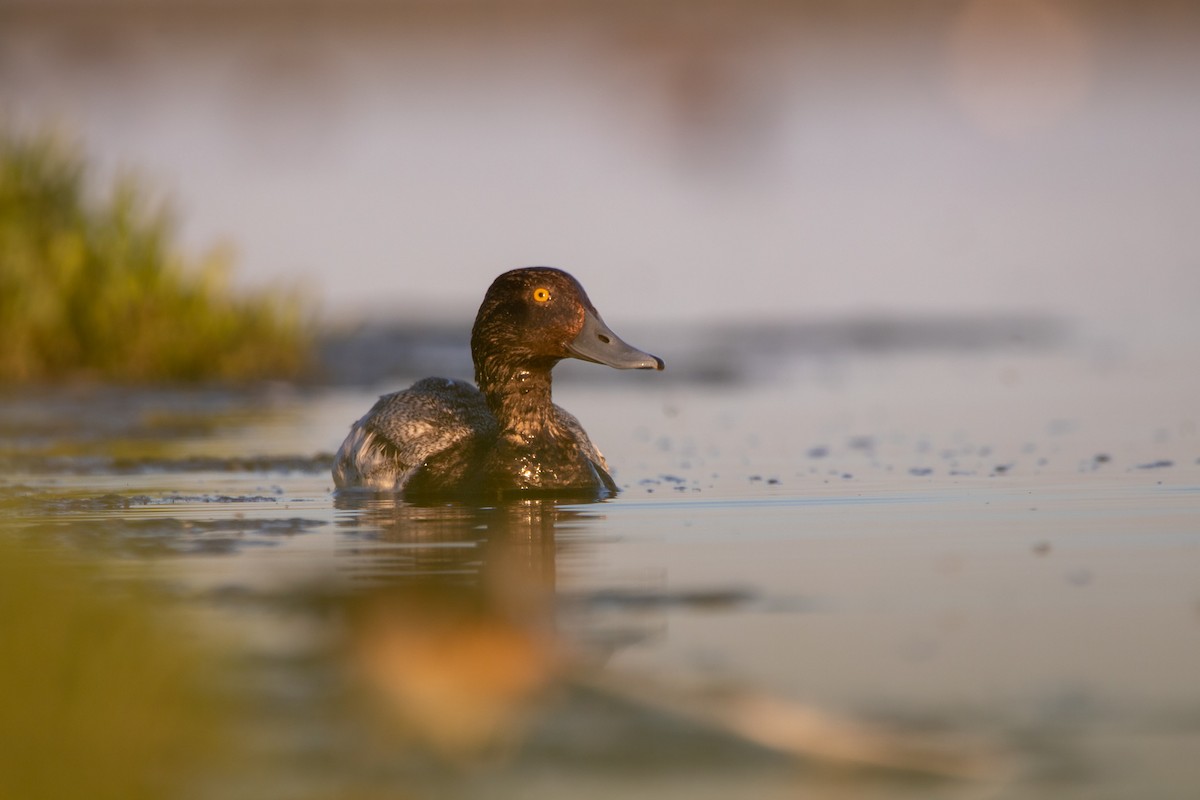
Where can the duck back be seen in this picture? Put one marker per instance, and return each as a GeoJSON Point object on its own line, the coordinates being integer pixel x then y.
{"type": "Point", "coordinates": [404, 429]}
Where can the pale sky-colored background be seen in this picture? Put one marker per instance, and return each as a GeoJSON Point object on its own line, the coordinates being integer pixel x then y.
{"type": "Point", "coordinates": [687, 162]}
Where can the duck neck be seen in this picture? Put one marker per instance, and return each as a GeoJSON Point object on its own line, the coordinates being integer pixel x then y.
{"type": "Point", "coordinates": [519, 397]}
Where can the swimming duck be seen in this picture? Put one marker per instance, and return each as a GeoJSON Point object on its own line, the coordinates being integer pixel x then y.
{"type": "Point", "coordinates": [445, 437]}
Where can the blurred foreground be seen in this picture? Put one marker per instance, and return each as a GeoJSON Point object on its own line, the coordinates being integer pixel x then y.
{"type": "Point", "coordinates": [104, 697]}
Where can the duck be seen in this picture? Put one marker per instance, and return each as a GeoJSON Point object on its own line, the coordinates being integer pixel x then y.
{"type": "Point", "coordinates": [443, 437]}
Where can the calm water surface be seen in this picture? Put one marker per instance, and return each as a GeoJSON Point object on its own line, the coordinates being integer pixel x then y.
{"type": "Point", "coordinates": [896, 576]}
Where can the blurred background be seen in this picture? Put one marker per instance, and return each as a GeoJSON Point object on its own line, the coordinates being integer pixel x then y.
{"type": "Point", "coordinates": [690, 162]}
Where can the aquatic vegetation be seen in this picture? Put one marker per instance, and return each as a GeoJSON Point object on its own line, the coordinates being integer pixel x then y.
{"type": "Point", "coordinates": [92, 285]}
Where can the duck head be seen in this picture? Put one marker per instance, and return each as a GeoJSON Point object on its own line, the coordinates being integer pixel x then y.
{"type": "Point", "coordinates": [532, 318]}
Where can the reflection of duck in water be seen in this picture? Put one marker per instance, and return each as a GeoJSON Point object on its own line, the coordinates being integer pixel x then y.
{"type": "Point", "coordinates": [458, 633]}
{"type": "Point", "coordinates": [442, 437]}
{"type": "Point", "coordinates": [470, 647]}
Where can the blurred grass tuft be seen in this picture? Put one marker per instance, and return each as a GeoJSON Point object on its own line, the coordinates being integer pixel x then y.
{"type": "Point", "coordinates": [94, 288]}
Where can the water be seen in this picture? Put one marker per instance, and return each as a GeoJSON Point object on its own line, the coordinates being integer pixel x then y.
{"type": "Point", "coordinates": [912, 574]}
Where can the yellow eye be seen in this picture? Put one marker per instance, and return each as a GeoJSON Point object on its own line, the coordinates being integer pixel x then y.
{"type": "Point", "coordinates": [541, 294]}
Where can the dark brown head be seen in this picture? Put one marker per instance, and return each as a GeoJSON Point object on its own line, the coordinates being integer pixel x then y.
{"type": "Point", "coordinates": [532, 318]}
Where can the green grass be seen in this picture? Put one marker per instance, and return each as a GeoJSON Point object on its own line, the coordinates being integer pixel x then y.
{"type": "Point", "coordinates": [93, 287]}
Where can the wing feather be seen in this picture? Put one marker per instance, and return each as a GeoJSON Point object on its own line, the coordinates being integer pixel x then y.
{"type": "Point", "coordinates": [404, 429]}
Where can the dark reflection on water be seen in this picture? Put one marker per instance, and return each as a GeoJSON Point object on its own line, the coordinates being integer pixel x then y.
{"type": "Point", "coordinates": [455, 539]}
{"type": "Point", "coordinates": [468, 649]}
{"type": "Point", "coordinates": [169, 536]}
{"type": "Point", "coordinates": [459, 626]}
{"type": "Point", "coordinates": [75, 464]}
{"type": "Point", "coordinates": [507, 556]}
{"type": "Point", "coordinates": [455, 628]}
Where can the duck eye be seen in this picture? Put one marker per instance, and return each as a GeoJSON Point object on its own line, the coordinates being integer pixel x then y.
{"type": "Point", "coordinates": [541, 294]}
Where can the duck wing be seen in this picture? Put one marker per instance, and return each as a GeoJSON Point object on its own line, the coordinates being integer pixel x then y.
{"type": "Point", "coordinates": [404, 429]}
{"type": "Point", "coordinates": [568, 421]}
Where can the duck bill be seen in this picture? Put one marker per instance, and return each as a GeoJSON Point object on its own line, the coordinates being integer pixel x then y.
{"type": "Point", "coordinates": [596, 342]}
